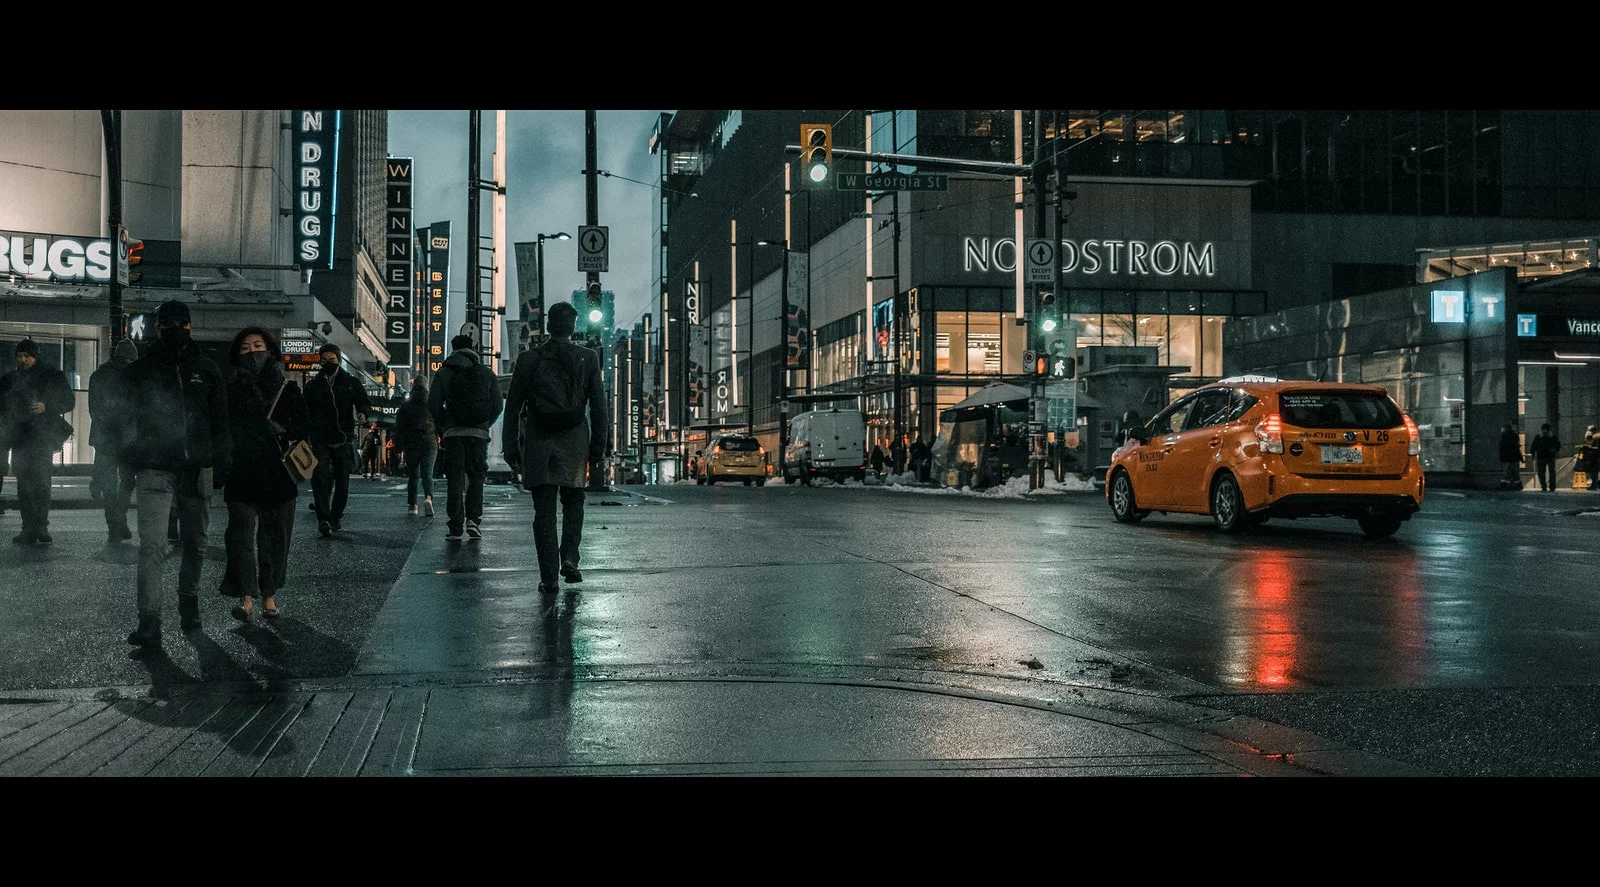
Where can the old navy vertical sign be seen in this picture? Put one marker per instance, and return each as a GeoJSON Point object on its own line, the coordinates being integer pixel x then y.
{"type": "Point", "coordinates": [437, 307]}
{"type": "Point", "coordinates": [398, 239]}
{"type": "Point", "coordinates": [316, 167]}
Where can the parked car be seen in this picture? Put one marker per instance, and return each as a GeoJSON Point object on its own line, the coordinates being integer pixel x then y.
{"type": "Point", "coordinates": [1246, 449]}
{"type": "Point", "coordinates": [733, 456]}
{"type": "Point", "coordinates": [825, 443]}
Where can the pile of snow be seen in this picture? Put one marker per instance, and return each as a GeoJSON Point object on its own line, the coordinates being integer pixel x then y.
{"type": "Point", "coordinates": [1013, 488]}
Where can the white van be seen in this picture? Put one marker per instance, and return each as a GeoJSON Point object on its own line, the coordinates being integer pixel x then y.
{"type": "Point", "coordinates": [826, 443]}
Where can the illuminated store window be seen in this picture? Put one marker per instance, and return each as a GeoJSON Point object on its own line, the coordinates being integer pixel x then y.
{"type": "Point", "coordinates": [1211, 346]}
{"type": "Point", "coordinates": [1184, 348]}
{"type": "Point", "coordinates": [1118, 329]}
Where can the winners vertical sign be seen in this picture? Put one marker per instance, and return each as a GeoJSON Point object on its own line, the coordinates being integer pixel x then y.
{"type": "Point", "coordinates": [398, 239]}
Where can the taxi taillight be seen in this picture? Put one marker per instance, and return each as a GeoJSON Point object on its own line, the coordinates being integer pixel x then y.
{"type": "Point", "coordinates": [1270, 432]}
{"type": "Point", "coordinates": [1414, 447]}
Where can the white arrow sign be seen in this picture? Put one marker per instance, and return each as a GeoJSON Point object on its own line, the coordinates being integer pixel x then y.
{"type": "Point", "coordinates": [593, 245]}
{"type": "Point", "coordinates": [1041, 256]}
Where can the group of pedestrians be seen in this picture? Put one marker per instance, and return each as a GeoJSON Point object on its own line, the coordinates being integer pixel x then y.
{"type": "Point", "coordinates": [896, 461]}
{"type": "Point", "coordinates": [177, 428]}
{"type": "Point", "coordinates": [1545, 450]}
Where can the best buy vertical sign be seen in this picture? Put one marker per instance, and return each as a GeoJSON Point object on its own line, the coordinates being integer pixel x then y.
{"type": "Point", "coordinates": [316, 152]}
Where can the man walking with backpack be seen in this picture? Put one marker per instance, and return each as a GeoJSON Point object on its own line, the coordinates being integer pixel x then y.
{"type": "Point", "coordinates": [465, 401]}
{"type": "Point", "coordinates": [556, 429]}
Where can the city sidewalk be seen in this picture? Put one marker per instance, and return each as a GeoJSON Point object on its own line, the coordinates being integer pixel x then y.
{"type": "Point", "coordinates": [468, 671]}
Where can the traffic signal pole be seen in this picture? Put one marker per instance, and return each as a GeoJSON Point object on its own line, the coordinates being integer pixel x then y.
{"type": "Point", "coordinates": [1036, 401]}
{"type": "Point", "coordinates": [597, 480]}
{"type": "Point", "coordinates": [474, 298]}
{"type": "Point", "coordinates": [111, 123]}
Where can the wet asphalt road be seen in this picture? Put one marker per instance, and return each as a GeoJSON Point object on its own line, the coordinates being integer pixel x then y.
{"type": "Point", "coordinates": [1468, 644]}
{"type": "Point", "coordinates": [1465, 645]}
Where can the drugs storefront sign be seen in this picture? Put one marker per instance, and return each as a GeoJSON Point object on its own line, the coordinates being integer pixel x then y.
{"type": "Point", "coordinates": [56, 258]}
{"type": "Point", "coordinates": [316, 152]}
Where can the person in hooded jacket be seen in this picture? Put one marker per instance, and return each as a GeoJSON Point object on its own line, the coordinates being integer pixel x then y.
{"type": "Point", "coordinates": [555, 463]}
{"type": "Point", "coordinates": [265, 412]}
{"type": "Point", "coordinates": [466, 445]}
{"type": "Point", "coordinates": [418, 442]}
{"type": "Point", "coordinates": [108, 420]}
{"type": "Point", "coordinates": [32, 399]}
{"type": "Point", "coordinates": [338, 404]}
{"type": "Point", "coordinates": [181, 451]}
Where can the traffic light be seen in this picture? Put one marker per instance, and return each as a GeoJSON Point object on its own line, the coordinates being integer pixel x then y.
{"type": "Point", "coordinates": [1048, 320]}
{"type": "Point", "coordinates": [816, 152]}
{"type": "Point", "coordinates": [1034, 364]}
{"type": "Point", "coordinates": [596, 310]}
{"type": "Point", "coordinates": [135, 257]}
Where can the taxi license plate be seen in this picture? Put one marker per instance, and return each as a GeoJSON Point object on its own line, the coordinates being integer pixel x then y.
{"type": "Point", "coordinates": [1341, 455]}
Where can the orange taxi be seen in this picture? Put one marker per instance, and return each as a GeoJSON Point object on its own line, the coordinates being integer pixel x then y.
{"type": "Point", "coordinates": [1249, 448]}
{"type": "Point", "coordinates": [733, 456]}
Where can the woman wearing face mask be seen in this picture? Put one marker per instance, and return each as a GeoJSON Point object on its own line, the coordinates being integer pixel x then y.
{"type": "Point", "coordinates": [265, 413]}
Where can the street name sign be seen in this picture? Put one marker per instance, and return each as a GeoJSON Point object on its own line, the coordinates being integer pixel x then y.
{"type": "Point", "coordinates": [890, 181]}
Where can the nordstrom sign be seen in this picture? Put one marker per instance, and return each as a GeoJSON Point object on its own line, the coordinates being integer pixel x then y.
{"type": "Point", "coordinates": [1161, 258]}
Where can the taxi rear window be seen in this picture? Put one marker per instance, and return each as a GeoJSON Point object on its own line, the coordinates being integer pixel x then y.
{"type": "Point", "coordinates": [739, 445]}
{"type": "Point", "coordinates": [1338, 409]}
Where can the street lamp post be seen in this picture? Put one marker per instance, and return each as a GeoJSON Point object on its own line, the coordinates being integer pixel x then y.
{"type": "Point", "coordinates": [539, 252]}
{"type": "Point", "coordinates": [783, 355]}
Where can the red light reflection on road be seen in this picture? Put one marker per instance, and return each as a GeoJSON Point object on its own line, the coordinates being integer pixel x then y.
{"type": "Point", "coordinates": [1290, 632]}
{"type": "Point", "coordinates": [1273, 659]}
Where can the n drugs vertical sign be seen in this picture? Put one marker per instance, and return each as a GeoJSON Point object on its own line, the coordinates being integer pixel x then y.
{"type": "Point", "coordinates": [316, 171]}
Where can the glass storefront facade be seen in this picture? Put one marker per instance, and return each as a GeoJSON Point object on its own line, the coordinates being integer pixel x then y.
{"type": "Point", "coordinates": [1455, 378]}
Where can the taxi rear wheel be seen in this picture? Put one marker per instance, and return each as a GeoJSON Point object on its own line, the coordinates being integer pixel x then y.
{"type": "Point", "coordinates": [1378, 526]}
{"type": "Point", "coordinates": [1227, 505]}
{"type": "Point", "coordinates": [1123, 506]}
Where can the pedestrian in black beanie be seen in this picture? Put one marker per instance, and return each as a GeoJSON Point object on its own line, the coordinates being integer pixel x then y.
{"type": "Point", "coordinates": [32, 398]}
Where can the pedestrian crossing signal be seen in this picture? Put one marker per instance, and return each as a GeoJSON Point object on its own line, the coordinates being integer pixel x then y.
{"type": "Point", "coordinates": [1061, 364]}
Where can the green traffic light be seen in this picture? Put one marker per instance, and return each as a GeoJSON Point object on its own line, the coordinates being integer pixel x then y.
{"type": "Point", "coordinates": [595, 316]}
{"type": "Point", "coordinates": [1049, 324]}
{"type": "Point", "coordinates": [817, 171]}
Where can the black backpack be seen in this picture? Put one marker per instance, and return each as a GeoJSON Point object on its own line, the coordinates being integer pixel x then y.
{"type": "Point", "coordinates": [556, 399]}
{"type": "Point", "coordinates": [474, 396]}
